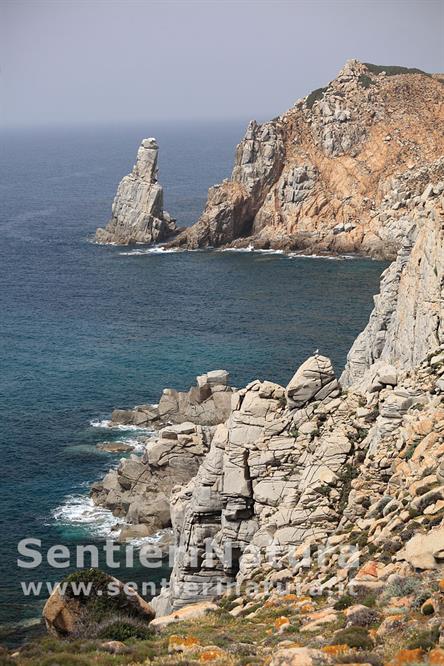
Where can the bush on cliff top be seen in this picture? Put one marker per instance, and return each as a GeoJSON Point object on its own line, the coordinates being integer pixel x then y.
{"type": "Point", "coordinates": [393, 70]}
{"type": "Point", "coordinates": [315, 96]}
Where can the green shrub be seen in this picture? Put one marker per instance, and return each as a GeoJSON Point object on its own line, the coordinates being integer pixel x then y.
{"type": "Point", "coordinates": [393, 70]}
{"type": "Point", "coordinates": [403, 587]}
{"type": "Point", "coordinates": [368, 600]}
{"type": "Point", "coordinates": [410, 450]}
{"type": "Point", "coordinates": [97, 603]}
{"type": "Point", "coordinates": [365, 81]}
{"type": "Point", "coordinates": [424, 640]}
{"type": "Point", "coordinates": [344, 602]}
{"type": "Point", "coordinates": [64, 659]}
{"type": "Point", "coordinates": [122, 629]}
{"type": "Point", "coordinates": [354, 637]}
{"type": "Point", "coordinates": [315, 96]}
{"type": "Point", "coordinates": [359, 658]}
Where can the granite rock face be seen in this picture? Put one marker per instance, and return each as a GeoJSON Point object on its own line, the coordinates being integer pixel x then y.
{"type": "Point", "coordinates": [139, 490]}
{"type": "Point", "coordinates": [316, 178]}
{"type": "Point", "coordinates": [137, 210]}
{"type": "Point", "coordinates": [270, 479]}
{"type": "Point", "coordinates": [233, 205]}
{"type": "Point", "coordinates": [351, 477]}
{"type": "Point", "coordinates": [408, 318]}
{"type": "Point", "coordinates": [313, 466]}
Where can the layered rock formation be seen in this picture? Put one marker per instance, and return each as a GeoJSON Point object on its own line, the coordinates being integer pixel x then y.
{"type": "Point", "coordinates": [137, 210]}
{"type": "Point", "coordinates": [301, 466]}
{"type": "Point", "coordinates": [208, 403]}
{"type": "Point", "coordinates": [139, 490]}
{"type": "Point", "coordinates": [316, 177]}
{"type": "Point", "coordinates": [407, 321]}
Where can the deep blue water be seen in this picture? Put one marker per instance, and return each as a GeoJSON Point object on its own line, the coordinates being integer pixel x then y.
{"type": "Point", "coordinates": [85, 328]}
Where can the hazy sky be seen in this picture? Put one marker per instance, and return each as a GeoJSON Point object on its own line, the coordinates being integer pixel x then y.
{"type": "Point", "coordinates": [70, 61]}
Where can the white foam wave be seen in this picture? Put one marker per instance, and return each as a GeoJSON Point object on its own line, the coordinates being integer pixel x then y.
{"type": "Point", "coordinates": [97, 423]}
{"type": "Point", "coordinates": [328, 257]}
{"type": "Point", "coordinates": [109, 425]}
{"type": "Point", "coordinates": [251, 248]}
{"type": "Point", "coordinates": [138, 446]}
{"type": "Point", "coordinates": [149, 250]}
{"type": "Point", "coordinates": [80, 510]}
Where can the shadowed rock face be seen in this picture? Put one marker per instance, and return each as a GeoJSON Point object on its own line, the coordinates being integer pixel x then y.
{"type": "Point", "coordinates": [316, 177]}
{"type": "Point", "coordinates": [137, 210]}
{"type": "Point", "coordinates": [408, 319]}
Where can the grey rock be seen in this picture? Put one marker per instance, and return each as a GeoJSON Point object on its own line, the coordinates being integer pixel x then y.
{"type": "Point", "coordinates": [137, 210]}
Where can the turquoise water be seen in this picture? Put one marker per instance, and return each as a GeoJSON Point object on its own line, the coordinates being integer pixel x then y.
{"type": "Point", "coordinates": [86, 328]}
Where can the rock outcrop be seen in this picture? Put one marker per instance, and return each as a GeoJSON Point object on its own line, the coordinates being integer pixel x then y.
{"type": "Point", "coordinates": [407, 321]}
{"type": "Point", "coordinates": [208, 403]}
{"type": "Point", "coordinates": [137, 210]}
{"type": "Point", "coordinates": [72, 609]}
{"type": "Point", "coordinates": [139, 490]}
{"type": "Point", "coordinates": [310, 465]}
{"type": "Point", "coordinates": [315, 178]}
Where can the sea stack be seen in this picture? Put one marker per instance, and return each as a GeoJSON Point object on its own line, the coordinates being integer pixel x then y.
{"type": "Point", "coordinates": [137, 211]}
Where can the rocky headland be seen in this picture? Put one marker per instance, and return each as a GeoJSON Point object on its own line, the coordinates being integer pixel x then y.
{"type": "Point", "coordinates": [137, 210]}
{"type": "Point", "coordinates": [328, 492]}
{"type": "Point", "coordinates": [332, 173]}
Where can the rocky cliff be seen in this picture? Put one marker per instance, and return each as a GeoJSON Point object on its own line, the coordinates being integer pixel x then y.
{"type": "Point", "coordinates": [139, 490]}
{"type": "Point", "coordinates": [315, 463]}
{"type": "Point", "coordinates": [317, 177]}
{"type": "Point", "coordinates": [407, 321]}
{"type": "Point", "coordinates": [137, 210]}
{"type": "Point", "coordinates": [302, 464]}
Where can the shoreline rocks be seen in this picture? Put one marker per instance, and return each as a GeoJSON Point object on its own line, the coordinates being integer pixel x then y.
{"type": "Point", "coordinates": [137, 210]}
{"type": "Point", "coordinates": [207, 403]}
{"type": "Point", "coordinates": [139, 490]}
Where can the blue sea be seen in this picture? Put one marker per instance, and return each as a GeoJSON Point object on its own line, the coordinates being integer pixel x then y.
{"type": "Point", "coordinates": [85, 328]}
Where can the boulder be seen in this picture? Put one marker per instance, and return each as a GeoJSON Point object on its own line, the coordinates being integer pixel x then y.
{"type": "Point", "coordinates": [191, 612]}
{"type": "Point", "coordinates": [424, 551]}
{"type": "Point", "coordinates": [70, 610]}
{"type": "Point", "coordinates": [298, 656]}
{"type": "Point", "coordinates": [309, 380]}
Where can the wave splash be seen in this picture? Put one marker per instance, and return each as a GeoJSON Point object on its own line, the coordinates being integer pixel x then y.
{"type": "Point", "coordinates": [149, 250]}
{"type": "Point", "coordinates": [80, 511]}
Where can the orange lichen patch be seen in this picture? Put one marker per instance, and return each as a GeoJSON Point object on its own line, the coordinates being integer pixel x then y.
{"type": "Point", "coordinates": [370, 569]}
{"type": "Point", "coordinates": [401, 602]}
{"type": "Point", "coordinates": [373, 633]}
{"type": "Point", "coordinates": [182, 643]}
{"type": "Point", "coordinates": [281, 623]}
{"type": "Point", "coordinates": [211, 655]}
{"type": "Point", "coordinates": [436, 657]}
{"type": "Point", "coordinates": [407, 657]}
{"type": "Point", "coordinates": [291, 598]}
{"type": "Point", "coordinates": [308, 608]}
{"type": "Point", "coordinates": [441, 585]}
{"type": "Point", "coordinates": [335, 650]}
{"type": "Point", "coordinates": [270, 603]}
